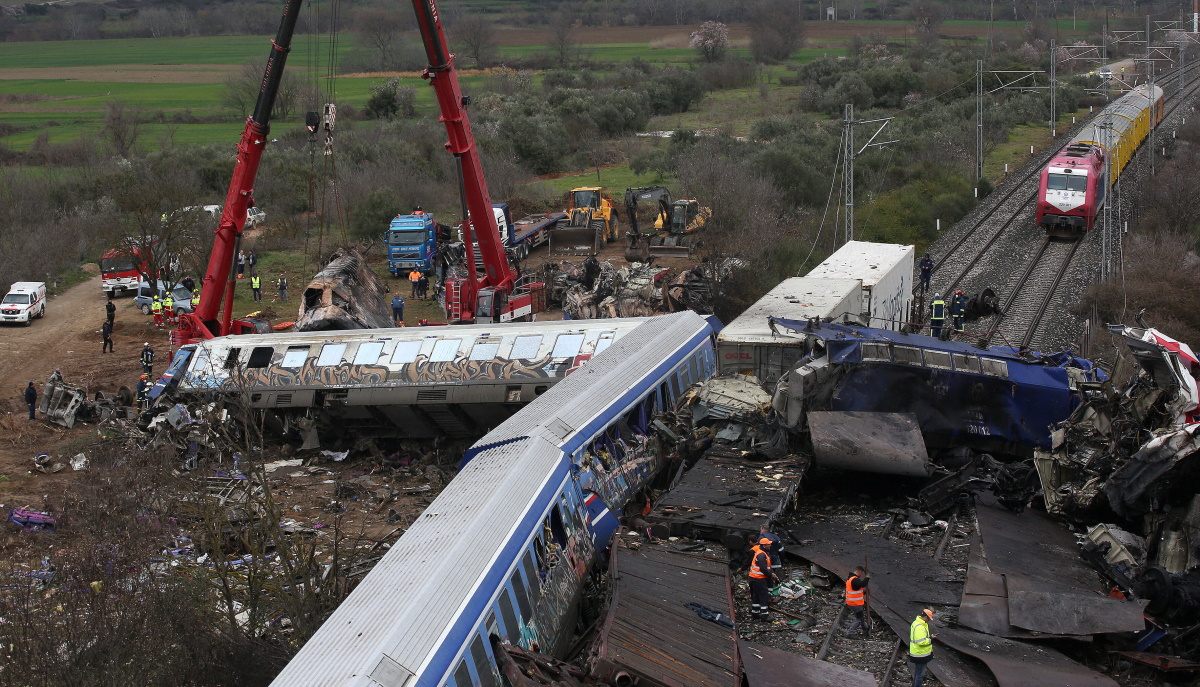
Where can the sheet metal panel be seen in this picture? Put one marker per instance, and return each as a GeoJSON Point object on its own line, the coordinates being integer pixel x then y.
{"type": "Point", "coordinates": [885, 443]}
{"type": "Point", "coordinates": [1020, 664]}
{"type": "Point", "coordinates": [769, 667]}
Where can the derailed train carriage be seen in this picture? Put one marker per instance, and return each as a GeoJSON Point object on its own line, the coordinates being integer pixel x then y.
{"type": "Point", "coordinates": [415, 382]}
{"type": "Point", "coordinates": [1075, 183]}
{"type": "Point", "coordinates": [504, 550]}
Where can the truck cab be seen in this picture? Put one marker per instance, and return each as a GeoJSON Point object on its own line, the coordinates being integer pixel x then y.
{"type": "Point", "coordinates": [119, 271]}
{"type": "Point", "coordinates": [411, 243]}
{"type": "Point", "coordinates": [23, 302]}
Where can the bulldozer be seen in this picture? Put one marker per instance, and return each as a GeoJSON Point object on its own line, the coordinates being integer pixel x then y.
{"type": "Point", "coordinates": [591, 220]}
{"type": "Point", "coordinates": [674, 223]}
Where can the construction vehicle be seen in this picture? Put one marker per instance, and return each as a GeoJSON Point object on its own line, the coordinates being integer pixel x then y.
{"type": "Point", "coordinates": [674, 223]}
{"type": "Point", "coordinates": [591, 220]}
{"type": "Point", "coordinates": [500, 294]}
{"type": "Point", "coordinates": [213, 315]}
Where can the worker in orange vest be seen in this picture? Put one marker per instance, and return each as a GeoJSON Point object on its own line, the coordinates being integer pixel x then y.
{"type": "Point", "coordinates": [413, 278]}
{"type": "Point", "coordinates": [856, 599]}
{"type": "Point", "coordinates": [761, 579]}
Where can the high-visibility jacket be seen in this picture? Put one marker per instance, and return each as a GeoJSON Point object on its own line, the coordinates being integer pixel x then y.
{"type": "Point", "coordinates": [919, 641]}
{"type": "Point", "coordinates": [759, 570]}
{"type": "Point", "coordinates": [156, 305]}
{"type": "Point", "coordinates": [168, 304]}
{"type": "Point", "coordinates": [414, 276]}
{"type": "Point", "coordinates": [854, 597]}
{"type": "Point", "coordinates": [939, 310]}
{"type": "Point", "coordinates": [255, 282]}
{"type": "Point", "coordinates": [196, 298]}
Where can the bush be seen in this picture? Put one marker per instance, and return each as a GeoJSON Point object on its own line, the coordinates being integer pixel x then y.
{"type": "Point", "coordinates": [369, 218]}
{"type": "Point", "coordinates": [731, 73]}
{"type": "Point", "coordinates": [389, 99]}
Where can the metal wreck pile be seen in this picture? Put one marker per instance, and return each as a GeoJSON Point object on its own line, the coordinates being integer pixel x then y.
{"type": "Point", "coordinates": [600, 290]}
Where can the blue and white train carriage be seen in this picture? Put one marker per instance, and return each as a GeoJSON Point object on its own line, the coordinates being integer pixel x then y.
{"type": "Point", "coordinates": [506, 546]}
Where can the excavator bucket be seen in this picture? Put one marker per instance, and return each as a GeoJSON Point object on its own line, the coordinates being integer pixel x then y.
{"type": "Point", "coordinates": [638, 249]}
{"type": "Point", "coordinates": [576, 235]}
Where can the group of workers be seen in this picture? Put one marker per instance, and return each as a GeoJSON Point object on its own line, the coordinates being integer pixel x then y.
{"type": "Point", "coordinates": [937, 307]}
{"type": "Point", "coordinates": [420, 284]}
{"type": "Point", "coordinates": [765, 564]}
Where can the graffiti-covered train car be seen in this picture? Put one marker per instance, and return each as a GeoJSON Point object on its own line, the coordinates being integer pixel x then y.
{"type": "Point", "coordinates": [418, 381]}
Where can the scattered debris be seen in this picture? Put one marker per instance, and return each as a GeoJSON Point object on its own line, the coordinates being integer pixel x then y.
{"type": "Point", "coordinates": [32, 520]}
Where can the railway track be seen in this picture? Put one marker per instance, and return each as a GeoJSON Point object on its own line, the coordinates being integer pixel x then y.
{"type": "Point", "coordinates": [979, 255]}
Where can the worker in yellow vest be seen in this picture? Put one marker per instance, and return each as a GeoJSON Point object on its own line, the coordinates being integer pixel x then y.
{"type": "Point", "coordinates": [156, 310]}
{"type": "Point", "coordinates": [256, 286]}
{"type": "Point", "coordinates": [169, 308]}
{"type": "Point", "coordinates": [920, 646]}
{"type": "Point", "coordinates": [195, 298]}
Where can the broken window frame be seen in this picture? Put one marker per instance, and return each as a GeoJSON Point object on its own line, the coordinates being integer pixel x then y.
{"type": "Point", "coordinates": [289, 356]}
{"type": "Point", "coordinates": [908, 355]}
{"type": "Point", "coordinates": [445, 350]}
{"type": "Point", "coordinates": [406, 352]}
{"type": "Point", "coordinates": [998, 367]}
{"type": "Point", "coordinates": [508, 616]}
{"type": "Point", "coordinates": [521, 593]}
{"type": "Point", "coordinates": [480, 658]}
{"type": "Point", "coordinates": [368, 353]}
{"type": "Point", "coordinates": [530, 568]}
{"type": "Point", "coordinates": [871, 351]}
{"type": "Point", "coordinates": [331, 354]}
{"type": "Point", "coordinates": [933, 359]}
{"type": "Point", "coordinates": [525, 347]}
{"type": "Point", "coordinates": [964, 362]}
{"type": "Point", "coordinates": [260, 357]}
{"type": "Point", "coordinates": [231, 358]}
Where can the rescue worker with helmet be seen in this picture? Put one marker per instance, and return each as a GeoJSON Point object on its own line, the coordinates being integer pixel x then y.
{"type": "Point", "coordinates": [147, 358]}
{"type": "Point", "coordinates": [156, 307]}
{"type": "Point", "coordinates": [920, 646]}
{"type": "Point", "coordinates": [143, 387]}
{"type": "Point", "coordinates": [168, 305]}
{"type": "Point", "coordinates": [958, 310]}
{"type": "Point", "coordinates": [937, 316]}
{"type": "Point", "coordinates": [196, 298]}
{"type": "Point", "coordinates": [856, 600]}
{"type": "Point", "coordinates": [761, 579]}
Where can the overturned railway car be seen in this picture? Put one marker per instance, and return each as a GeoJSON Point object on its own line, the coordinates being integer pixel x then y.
{"type": "Point", "coordinates": [1076, 182]}
{"type": "Point", "coordinates": [504, 550]}
{"type": "Point", "coordinates": [415, 382]}
{"type": "Point", "coordinates": [997, 400]}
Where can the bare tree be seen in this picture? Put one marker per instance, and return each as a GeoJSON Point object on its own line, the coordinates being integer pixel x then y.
{"type": "Point", "coordinates": [379, 31]}
{"type": "Point", "coordinates": [78, 25]}
{"type": "Point", "coordinates": [183, 20]}
{"type": "Point", "coordinates": [927, 15]}
{"type": "Point", "coordinates": [776, 30]}
{"type": "Point", "coordinates": [152, 195]}
{"type": "Point", "coordinates": [121, 126]}
{"type": "Point", "coordinates": [564, 43]}
{"type": "Point", "coordinates": [478, 36]}
{"type": "Point", "coordinates": [157, 21]}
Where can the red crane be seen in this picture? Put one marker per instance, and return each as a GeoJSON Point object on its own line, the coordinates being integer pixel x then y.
{"type": "Point", "coordinates": [213, 316]}
{"type": "Point", "coordinates": [501, 295]}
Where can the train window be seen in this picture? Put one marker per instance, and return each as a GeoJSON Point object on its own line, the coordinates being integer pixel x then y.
{"type": "Point", "coordinates": [937, 359]}
{"type": "Point", "coordinates": [484, 349]}
{"type": "Point", "coordinates": [966, 363]}
{"type": "Point", "coordinates": [445, 350]}
{"type": "Point", "coordinates": [462, 674]}
{"type": "Point", "coordinates": [483, 665]}
{"type": "Point", "coordinates": [875, 351]}
{"type": "Point", "coordinates": [231, 360]}
{"type": "Point", "coordinates": [522, 594]}
{"type": "Point", "coordinates": [406, 352]}
{"type": "Point", "coordinates": [567, 346]}
{"type": "Point", "coordinates": [368, 353]}
{"type": "Point", "coordinates": [557, 527]}
{"type": "Point", "coordinates": [295, 356]}
{"type": "Point", "coordinates": [909, 355]}
{"type": "Point", "coordinates": [995, 368]}
{"type": "Point", "coordinates": [603, 343]}
{"type": "Point", "coordinates": [260, 356]}
{"type": "Point", "coordinates": [525, 347]}
{"type": "Point", "coordinates": [535, 582]}
{"type": "Point", "coordinates": [512, 628]}
{"type": "Point", "coordinates": [331, 354]}
{"type": "Point", "coordinates": [1066, 182]}
{"type": "Point", "coordinates": [694, 367]}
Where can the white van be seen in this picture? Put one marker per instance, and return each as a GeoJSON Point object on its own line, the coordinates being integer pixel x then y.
{"type": "Point", "coordinates": [24, 301]}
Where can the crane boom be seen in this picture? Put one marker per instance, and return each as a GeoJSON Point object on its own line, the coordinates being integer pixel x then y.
{"type": "Point", "coordinates": [213, 316]}
{"type": "Point", "coordinates": [480, 223]}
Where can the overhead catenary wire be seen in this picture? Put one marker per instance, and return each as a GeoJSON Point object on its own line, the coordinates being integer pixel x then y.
{"type": "Point", "coordinates": [828, 200]}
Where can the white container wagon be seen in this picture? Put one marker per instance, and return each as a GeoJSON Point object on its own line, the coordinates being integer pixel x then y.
{"type": "Point", "coordinates": [885, 271]}
{"type": "Point", "coordinates": [748, 346]}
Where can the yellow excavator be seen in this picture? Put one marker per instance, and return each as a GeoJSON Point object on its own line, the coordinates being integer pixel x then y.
{"type": "Point", "coordinates": [591, 220]}
{"type": "Point", "coordinates": [674, 223]}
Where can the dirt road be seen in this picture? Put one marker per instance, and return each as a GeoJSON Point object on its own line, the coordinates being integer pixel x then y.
{"type": "Point", "coordinates": [66, 339]}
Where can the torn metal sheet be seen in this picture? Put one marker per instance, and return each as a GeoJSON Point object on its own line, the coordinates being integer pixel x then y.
{"type": "Point", "coordinates": [61, 402]}
{"type": "Point", "coordinates": [731, 396]}
{"type": "Point", "coordinates": [984, 604]}
{"type": "Point", "coordinates": [1167, 664]}
{"type": "Point", "coordinates": [769, 667]}
{"type": "Point", "coordinates": [1122, 546]}
{"type": "Point", "coordinates": [901, 587]}
{"type": "Point", "coordinates": [1040, 559]}
{"type": "Point", "coordinates": [885, 443]}
{"type": "Point", "coordinates": [1146, 477]}
{"type": "Point", "coordinates": [345, 294]}
{"type": "Point", "coordinates": [1171, 363]}
{"type": "Point", "coordinates": [1019, 664]}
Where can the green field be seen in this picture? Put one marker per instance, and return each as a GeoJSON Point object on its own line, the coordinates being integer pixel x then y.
{"type": "Point", "coordinates": [238, 50]}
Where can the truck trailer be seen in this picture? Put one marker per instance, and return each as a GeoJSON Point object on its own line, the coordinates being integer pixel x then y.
{"type": "Point", "coordinates": [885, 272]}
{"type": "Point", "coordinates": [751, 345]}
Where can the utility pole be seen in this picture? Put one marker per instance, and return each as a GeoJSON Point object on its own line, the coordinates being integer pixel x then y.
{"type": "Point", "coordinates": [1053, 88]}
{"type": "Point", "coordinates": [1106, 228]}
{"type": "Point", "coordinates": [848, 171]}
{"type": "Point", "coordinates": [978, 120]}
{"type": "Point", "coordinates": [1150, 98]}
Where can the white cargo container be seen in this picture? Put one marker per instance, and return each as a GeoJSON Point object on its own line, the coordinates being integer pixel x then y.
{"type": "Point", "coordinates": [747, 345]}
{"type": "Point", "coordinates": [885, 271]}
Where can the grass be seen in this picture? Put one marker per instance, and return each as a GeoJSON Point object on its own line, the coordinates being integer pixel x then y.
{"type": "Point", "coordinates": [1015, 151]}
{"type": "Point", "coordinates": [191, 50]}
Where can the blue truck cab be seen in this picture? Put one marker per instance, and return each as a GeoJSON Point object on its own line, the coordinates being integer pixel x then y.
{"type": "Point", "coordinates": [411, 242]}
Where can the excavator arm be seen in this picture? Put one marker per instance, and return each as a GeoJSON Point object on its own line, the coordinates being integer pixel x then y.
{"type": "Point", "coordinates": [638, 194]}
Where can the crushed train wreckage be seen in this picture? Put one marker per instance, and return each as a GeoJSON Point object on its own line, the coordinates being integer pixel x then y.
{"type": "Point", "coordinates": [594, 289]}
{"type": "Point", "coordinates": [345, 294]}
